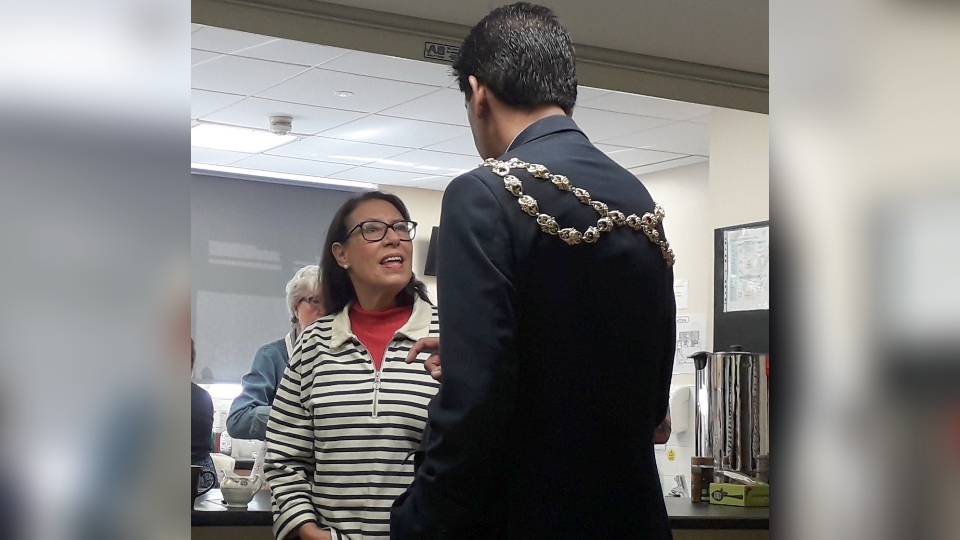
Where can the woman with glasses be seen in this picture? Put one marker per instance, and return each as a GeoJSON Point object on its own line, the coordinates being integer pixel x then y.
{"type": "Point", "coordinates": [350, 411]}
{"type": "Point", "coordinates": [250, 410]}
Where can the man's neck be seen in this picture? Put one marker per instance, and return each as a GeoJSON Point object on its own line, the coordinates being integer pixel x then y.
{"type": "Point", "coordinates": [514, 121]}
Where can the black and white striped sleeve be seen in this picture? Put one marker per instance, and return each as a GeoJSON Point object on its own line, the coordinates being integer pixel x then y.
{"type": "Point", "coordinates": [289, 460]}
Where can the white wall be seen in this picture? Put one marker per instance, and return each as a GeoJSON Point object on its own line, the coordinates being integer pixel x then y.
{"type": "Point", "coordinates": [739, 171]}
{"type": "Point", "coordinates": [733, 188]}
{"type": "Point", "coordinates": [424, 207]}
{"type": "Point", "coordinates": [739, 167]}
{"type": "Point", "coordinates": [684, 194]}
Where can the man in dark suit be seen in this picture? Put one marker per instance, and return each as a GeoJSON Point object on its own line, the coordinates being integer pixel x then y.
{"type": "Point", "coordinates": [557, 316]}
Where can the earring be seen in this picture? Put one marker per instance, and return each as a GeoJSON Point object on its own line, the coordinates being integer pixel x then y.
{"type": "Point", "coordinates": [345, 266]}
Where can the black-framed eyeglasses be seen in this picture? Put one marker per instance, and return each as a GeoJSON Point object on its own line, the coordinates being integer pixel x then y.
{"type": "Point", "coordinates": [375, 231]}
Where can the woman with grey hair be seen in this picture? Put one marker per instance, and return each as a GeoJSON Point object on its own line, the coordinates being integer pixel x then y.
{"type": "Point", "coordinates": [251, 409]}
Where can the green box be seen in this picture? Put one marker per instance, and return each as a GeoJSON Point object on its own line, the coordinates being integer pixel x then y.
{"type": "Point", "coordinates": [740, 494]}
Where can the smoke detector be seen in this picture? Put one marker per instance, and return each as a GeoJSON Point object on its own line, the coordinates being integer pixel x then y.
{"type": "Point", "coordinates": [281, 125]}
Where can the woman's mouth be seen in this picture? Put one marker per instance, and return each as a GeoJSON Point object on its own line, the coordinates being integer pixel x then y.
{"type": "Point", "coordinates": [392, 261]}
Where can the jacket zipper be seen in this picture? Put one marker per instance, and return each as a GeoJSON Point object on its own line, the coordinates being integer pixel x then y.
{"type": "Point", "coordinates": [376, 378]}
{"type": "Point", "coordinates": [376, 391]}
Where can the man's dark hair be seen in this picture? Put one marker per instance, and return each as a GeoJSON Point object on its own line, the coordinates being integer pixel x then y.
{"type": "Point", "coordinates": [337, 288]}
{"type": "Point", "coordinates": [523, 54]}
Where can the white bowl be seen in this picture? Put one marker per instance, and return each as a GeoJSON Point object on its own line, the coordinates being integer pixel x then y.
{"type": "Point", "coordinates": [238, 490]}
{"type": "Point", "coordinates": [237, 497]}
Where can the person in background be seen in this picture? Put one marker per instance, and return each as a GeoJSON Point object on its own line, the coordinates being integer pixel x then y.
{"type": "Point", "coordinates": [251, 409]}
{"type": "Point", "coordinates": [557, 311]}
{"type": "Point", "coordinates": [349, 411]}
{"type": "Point", "coordinates": [201, 426]}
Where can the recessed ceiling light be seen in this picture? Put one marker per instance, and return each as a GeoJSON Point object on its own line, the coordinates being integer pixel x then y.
{"type": "Point", "coordinates": [235, 139]}
{"type": "Point", "coordinates": [343, 93]}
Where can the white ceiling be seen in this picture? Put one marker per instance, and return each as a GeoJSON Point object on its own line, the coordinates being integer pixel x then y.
{"type": "Point", "coordinates": [405, 123]}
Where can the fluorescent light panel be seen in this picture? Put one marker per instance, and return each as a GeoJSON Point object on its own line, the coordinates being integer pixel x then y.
{"type": "Point", "coordinates": [282, 176]}
{"type": "Point", "coordinates": [236, 139]}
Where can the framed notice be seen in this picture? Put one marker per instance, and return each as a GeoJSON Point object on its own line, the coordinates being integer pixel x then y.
{"type": "Point", "coordinates": [741, 287]}
{"type": "Point", "coordinates": [746, 269]}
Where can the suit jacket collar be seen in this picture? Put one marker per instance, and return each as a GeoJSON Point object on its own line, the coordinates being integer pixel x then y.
{"type": "Point", "coordinates": [542, 127]}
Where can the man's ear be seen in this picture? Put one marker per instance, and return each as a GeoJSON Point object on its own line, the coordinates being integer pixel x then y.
{"type": "Point", "coordinates": [481, 96]}
{"type": "Point", "coordinates": [339, 253]}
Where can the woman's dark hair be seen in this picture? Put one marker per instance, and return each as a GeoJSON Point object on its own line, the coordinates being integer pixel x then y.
{"type": "Point", "coordinates": [523, 54]}
{"type": "Point", "coordinates": [337, 288]}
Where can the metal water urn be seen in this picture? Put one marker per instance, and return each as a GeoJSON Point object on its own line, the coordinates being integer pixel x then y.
{"type": "Point", "coordinates": [732, 409]}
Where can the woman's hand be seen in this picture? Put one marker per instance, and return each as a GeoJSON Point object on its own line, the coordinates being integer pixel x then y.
{"type": "Point", "coordinates": [311, 531]}
{"type": "Point", "coordinates": [429, 345]}
{"type": "Point", "coordinates": [662, 434]}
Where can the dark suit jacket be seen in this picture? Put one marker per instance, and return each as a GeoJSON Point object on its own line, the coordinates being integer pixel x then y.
{"type": "Point", "coordinates": [556, 359]}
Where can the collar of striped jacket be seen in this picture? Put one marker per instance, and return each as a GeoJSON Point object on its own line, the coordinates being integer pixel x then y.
{"type": "Point", "coordinates": [417, 327]}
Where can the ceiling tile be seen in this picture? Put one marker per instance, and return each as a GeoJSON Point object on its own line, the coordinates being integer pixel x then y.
{"type": "Point", "coordinates": [645, 106]}
{"type": "Point", "coordinates": [203, 102]}
{"type": "Point", "coordinates": [588, 92]}
{"type": "Point", "coordinates": [336, 151]}
{"type": "Point", "coordinates": [215, 157]}
{"type": "Point", "coordinates": [445, 106]}
{"type": "Point", "coordinates": [382, 176]}
{"type": "Point", "coordinates": [705, 119]}
{"type": "Point", "coordinates": [307, 120]}
{"type": "Point", "coordinates": [397, 131]}
{"type": "Point", "coordinates": [211, 38]}
{"type": "Point", "coordinates": [198, 57]}
{"type": "Point", "coordinates": [604, 125]}
{"type": "Point", "coordinates": [437, 163]}
{"type": "Point", "coordinates": [264, 162]}
{"type": "Point", "coordinates": [461, 145]}
{"type": "Point", "coordinates": [294, 52]}
{"type": "Point", "coordinates": [318, 86]}
{"type": "Point", "coordinates": [389, 67]}
{"type": "Point", "coordinates": [237, 75]}
{"type": "Point", "coordinates": [672, 164]}
{"type": "Point", "coordinates": [635, 157]}
{"type": "Point", "coordinates": [435, 185]}
{"type": "Point", "coordinates": [679, 137]}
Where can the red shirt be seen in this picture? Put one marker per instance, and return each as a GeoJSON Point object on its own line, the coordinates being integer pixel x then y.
{"type": "Point", "coordinates": [375, 329]}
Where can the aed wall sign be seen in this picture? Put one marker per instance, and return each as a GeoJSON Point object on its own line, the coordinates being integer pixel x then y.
{"type": "Point", "coordinates": [439, 51]}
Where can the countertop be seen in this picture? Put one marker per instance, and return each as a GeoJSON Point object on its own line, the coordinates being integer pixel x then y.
{"type": "Point", "coordinates": [688, 515]}
{"type": "Point", "coordinates": [210, 512]}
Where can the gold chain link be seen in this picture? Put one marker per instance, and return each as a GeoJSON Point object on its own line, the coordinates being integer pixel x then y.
{"type": "Point", "coordinates": [608, 218]}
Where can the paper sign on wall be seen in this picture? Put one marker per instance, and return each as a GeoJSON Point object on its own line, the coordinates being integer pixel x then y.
{"type": "Point", "coordinates": [746, 272]}
{"type": "Point", "coordinates": [680, 292]}
{"type": "Point", "coordinates": [691, 338]}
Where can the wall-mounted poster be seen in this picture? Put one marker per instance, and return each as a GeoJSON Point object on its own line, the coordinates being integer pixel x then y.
{"type": "Point", "coordinates": [691, 338]}
{"type": "Point", "coordinates": [746, 269]}
{"type": "Point", "coordinates": [680, 293]}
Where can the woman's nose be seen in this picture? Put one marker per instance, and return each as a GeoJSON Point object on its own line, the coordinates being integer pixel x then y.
{"type": "Point", "coordinates": [392, 236]}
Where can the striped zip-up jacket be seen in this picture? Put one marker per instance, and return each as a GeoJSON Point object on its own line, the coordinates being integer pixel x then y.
{"type": "Point", "coordinates": [341, 435]}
